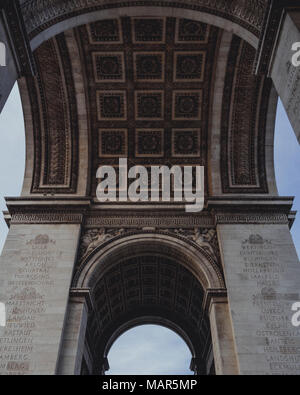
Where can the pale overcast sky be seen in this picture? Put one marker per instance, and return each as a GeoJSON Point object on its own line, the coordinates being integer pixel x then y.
{"type": "Point", "coordinates": [156, 350]}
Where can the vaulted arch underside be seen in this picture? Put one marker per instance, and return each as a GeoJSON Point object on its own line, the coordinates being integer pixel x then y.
{"type": "Point", "coordinates": [155, 90]}
{"type": "Point", "coordinates": [143, 277]}
{"type": "Point", "coordinates": [148, 289]}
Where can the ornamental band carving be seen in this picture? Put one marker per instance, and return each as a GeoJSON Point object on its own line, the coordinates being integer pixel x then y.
{"type": "Point", "coordinates": [40, 14]}
{"type": "Point", "coordinates": [206, 239]}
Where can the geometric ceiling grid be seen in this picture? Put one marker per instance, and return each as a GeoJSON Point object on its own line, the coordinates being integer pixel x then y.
{"type": "Point", "coordinates": [149, 82]}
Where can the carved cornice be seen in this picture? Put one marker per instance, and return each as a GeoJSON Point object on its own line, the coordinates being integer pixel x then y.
{"type": "Point", "coordinates": [214, 296]}
{"type": "Point", "coordinates": [162, 221]}
{"type": "Point", "coordinates": [82, 295]}
{"type": "Point", "coordinates": [67, 216]}
{"type": "Point", "coordinates": [251, 218]}
{"type": "Point", "coordinates": [251, 210]}
{"type": "Point", "coordinates": [46, 211]}
{"type": "Point", "coordinates": [41, 14]}
{"type": "Point", "coordinates": [263, 210]}
{"type": "Point", "coordinates": [47, 218]}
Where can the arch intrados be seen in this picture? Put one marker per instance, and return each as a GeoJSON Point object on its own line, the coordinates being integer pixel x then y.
{"type": "Point", "coordinates": [172, 247]}
{"type": "Point", "coordinates": [151, 11]}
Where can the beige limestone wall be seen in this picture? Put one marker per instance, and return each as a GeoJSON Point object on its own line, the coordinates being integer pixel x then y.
{"type": "Point", "coordinates": [262, 273]}
{"type": "Point", "coordinates": [35, 275]}
{"type": "Point", "coordinates": [222, 338]}
{"type": "Point", "coordinates": [73, 343]}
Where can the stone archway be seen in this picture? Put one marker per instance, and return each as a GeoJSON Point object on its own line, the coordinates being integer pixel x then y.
{"type": "Point", "coordinates": [230, 132]}
{"type": "Point", "coordinates": [64, 158]}
{"type": "Point", "coordinates": [147, 278]}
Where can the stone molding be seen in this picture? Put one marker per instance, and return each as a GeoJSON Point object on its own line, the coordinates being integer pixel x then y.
{"type": "Point", "coordinates": [219, 210]}
{"type": "Point", "coordinates": [55, 217]}
{"type": "Point", "coordinates": [162, 221]}
{"type": "Point", "coordinates": [82, 295]}
{"type": "Point", "coordinates": [41, 14]}
{"type": "Point", "coordinates": [214, 296]}
{"type": "Point", "coordinates": [251, 218]}
{"type": "Point", "coordinates": [47, 218]}
{"type": "Point", "coordinates": [45, 211]}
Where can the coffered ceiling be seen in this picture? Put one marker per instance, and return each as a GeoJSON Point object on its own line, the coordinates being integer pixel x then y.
{"type": "Point", "coordinates": [146, 89]}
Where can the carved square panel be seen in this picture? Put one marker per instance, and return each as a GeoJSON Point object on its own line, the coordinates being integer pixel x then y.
{"type": "Point", "coordinates": [149, 66]}
{"type": "Point", "coordinates": [189, 66]}
{"type": "Point", "coordinates": [187, 105]}
{"type": "Point", "coordinates": [191, 31]}
{"type": "Point", "coordinates": [105, 31]}
{"type": "Point", "coordinates": [149, 143]}
{"type": "Point", "coordinates": [149, 30]}
{"type": "Point", "coordinates": [109, 67]}
{"type": "Point", "coordinates": [113, 142]}
{"type": "Point", "coordinates": [185, 142]}
{"type": "Point", "coordinates": [149, 105]}
{"type": "Point", "coordinates": [111, 105]}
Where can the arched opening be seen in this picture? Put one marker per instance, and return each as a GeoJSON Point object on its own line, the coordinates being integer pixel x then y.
{"type": "Point", "coordinates": [144, 278]}
{"type": "Point", "coordinates": [148, 289]}
{"type": "Point", "coordinates": [151, 350]}
{"type": "Point", "coordinates": [235, 106]}
{"type": "Point", "coordinates": [183, 65]}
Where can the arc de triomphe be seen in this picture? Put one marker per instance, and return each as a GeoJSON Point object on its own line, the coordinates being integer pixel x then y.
{"type": "Point", "coordinates": [181, 82]}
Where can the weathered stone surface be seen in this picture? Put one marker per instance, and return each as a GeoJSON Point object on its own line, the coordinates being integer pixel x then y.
{"type": "Point", "coordinates": [262, 274]}
{"type": "Point", "coordinates": [35, 275]}
{"type": "Point", "coordinates": [161, 83]}
{"type": "Point", "coordinates": [285, 75]}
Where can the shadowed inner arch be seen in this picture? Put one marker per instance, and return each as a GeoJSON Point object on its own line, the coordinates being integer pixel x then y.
{"type": "Point", "coordinates": [149, 290]}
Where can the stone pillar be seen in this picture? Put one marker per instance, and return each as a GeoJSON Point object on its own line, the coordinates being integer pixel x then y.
{"type": "Point", "coordinates": [73, 344]}
{"type": "Point", "coordinates": [222, 333]}
{"type": "Point", "coordinates": [262, 273]}
{"type": "Point", "coordinates": [18, 57]}
{"type": "Point", "coordinates": [36, 270]}
{"type": "Point", "coordinates": [275, 55]}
